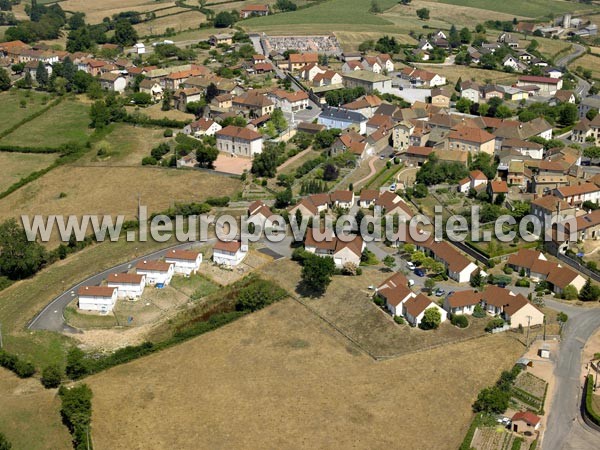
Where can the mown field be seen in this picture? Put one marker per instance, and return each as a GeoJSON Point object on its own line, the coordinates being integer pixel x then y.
{"type": "Point", "coordinates": [18, 165]}
{"type": "Point", "coordinates": [591, 62]}
{"type": "Point", "coordinates": [29, 415]}
{"type": "Point", "coordinates": [530, 8]}
{"type": "Point", "coordinates": [282, 378]}
{"type": "Point", "coordinates": [180, 22]}
{"type": "Point", "coordinates": [12, 112]}
{"type": "Point", "coordinates": [95, 11]}
{"type": "Point", "coordinates": [66, 122]}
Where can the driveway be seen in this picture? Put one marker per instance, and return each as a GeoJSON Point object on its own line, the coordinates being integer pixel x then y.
{"type": "Point", "coordinates": [566, 429]}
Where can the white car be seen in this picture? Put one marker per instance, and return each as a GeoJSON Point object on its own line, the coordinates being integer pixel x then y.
{"type": "Point", "coordinates": [410, 265]}
{"type": "Point", "coordinates": [411, 282]}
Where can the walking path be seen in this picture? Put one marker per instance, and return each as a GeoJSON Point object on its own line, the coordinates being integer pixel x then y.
{"type": "Point", "coordinates": [294, 158]}
{"type": "Point", "coordinates": [373, 171]}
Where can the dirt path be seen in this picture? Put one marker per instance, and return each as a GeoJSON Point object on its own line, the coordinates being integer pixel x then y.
{"type": "Point", "coordinates": [294, 158]}
{"type": "Point", "coordinates": [373, 171]}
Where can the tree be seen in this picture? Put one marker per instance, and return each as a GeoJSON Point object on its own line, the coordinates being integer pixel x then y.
{"type": "Point", "coordinates": [330, 172]}
{"type": "Point", "coordinates": [125, 34]}
{"type": "Point", "coordinates": [463, 105]}
{"type": "Point", "coordinates": [477, 280]}
{"type": "Point", "coordinates": [317, 273]}
{"type": "Point", "coordinates": [389, 262]}
{"type": "Point", "coordinates": [492, 400]}
{"type": "Point", "coordinates": [206, 155]}
{"type": "Point", "coordinates": [453, 37]}
{"type": "Point", "coordinates": [465, 35]}
{"type": "Point", "coordinates": [589, 292]}
{"type": "Point", "coordinates": [99, 114]}
{"type": "Point", "coordinates": [568, 115]}
{"type": "Point", "coordinates": [51, 376]}
{"type": "Point", "coordinates": [375, 8]}
{"type": "Point", "coordinates": [285, 5]}
{"type": "Point", "coordinates": [5, 82]}
{"type": "Point", "coordinates": [278, 120]}
{"type": "Point", "coordinates": [19, 257]}
{"type": "Point", "coordinates": [423, 14]}
{"type": "Point", "coordinates": [265, 163]}
{"type": "Point", "coordinates": [431, 319]}
{"type": "Point", "coordinates": [211, 92]}
{"type": "Point", "coordinates": [257, 295]}
{"type": "Point", "coordinates": [224, 19]}
{"type": "Point", "coordinates": [430, 284]}
{"type": "Point", "coordinates": [4, 443]}
{"type": "Point", "coordinates": [590, 115]}
{"type": "Point", "coordinates": [77, 365]}
{"type": "Point", "coordinates": [569, 292]}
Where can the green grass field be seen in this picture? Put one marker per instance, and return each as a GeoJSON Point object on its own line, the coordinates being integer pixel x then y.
{"type": "Point", "coordinates": [11, 111]}
{"type": "Point", "coordinates": [18, 165]}
{"type": "Point", "coordinates": [66, 122]}
{"type": "Point", "coordinates": [530, 8]}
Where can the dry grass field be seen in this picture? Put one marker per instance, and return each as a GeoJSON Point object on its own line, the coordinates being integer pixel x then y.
{"type": "Point", "coordinates": [29, 414]}
{"type": "Point", "coordinates": [588, 62]}
{"type": "Point", "coordinates": [453, 73]}
{"type": "Point", "coordinates": [282, 378]}
{"type": "Point", "coordinates": [126, 145]}
{"type": "Point", "coordinates": [18, 165]}
{"type": "Point", "coordinates": [95, 11]}
{"type": "Point", "coordinates": [180, 22]}
{"type": "Point", "coordinates": [154, 112]}
{"type": "Point", "coordinates": [347, 304]}
{"type": "Point", "coordinates": [97, 190]}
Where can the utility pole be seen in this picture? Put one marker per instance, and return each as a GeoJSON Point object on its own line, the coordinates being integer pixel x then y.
{"type": "Point", "coordinates": [528, 323]}
{"type": "Point", "coordinates": [1, 336]}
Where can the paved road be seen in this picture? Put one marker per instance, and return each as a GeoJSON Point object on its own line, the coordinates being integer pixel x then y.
{"type": "Point", "coordinates": [565, 427]}
{"type": "Point", "coordinates": [577, 51]}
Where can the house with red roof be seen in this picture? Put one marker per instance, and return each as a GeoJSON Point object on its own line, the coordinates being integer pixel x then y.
{"type": "Point", "coordinates": [344, 250]}
{"type": "Point", "coordinates": [97, 298]}
{"type": "Point", "coordinates": [239, 141]}
{"type": "Point", "coordinates": [524, 421]}
{"type": "Point", "coordinates": [129, 285]}
{"type": "Point", "coordinates": [548, 86]}
{"type": "Point", "coordinates": [476, 180]}
{"type": "Point", "coordinates": [254, 10]}
{"type": "Point", "coordinates": [185, 262]}
{"type": "Point", "coordinates": [414, 309]}
{"type": "Point", "coordinates": [395, 292]}
{"type": "Point", "coordinates": [229, 253]}
{"type": "Point", "coordinates": [156, 272]}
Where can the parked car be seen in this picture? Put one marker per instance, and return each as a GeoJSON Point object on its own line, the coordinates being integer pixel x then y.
{"type": "Point", "coordinates": [439, 292]}
{"type": "Point", "coordinates": [309, 107]}
{"type": "Point", "coordinates": [410, 265]}
{"type": "Point", "coordinates": [419, 272]}
{"type": "Point", "coordinates": [393, 187]}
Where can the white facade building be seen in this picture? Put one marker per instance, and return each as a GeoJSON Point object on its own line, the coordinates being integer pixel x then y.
{"type": "Point", "coordinates": [97, 298]}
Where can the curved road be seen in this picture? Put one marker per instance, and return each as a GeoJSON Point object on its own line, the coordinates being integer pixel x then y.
{"type": "Point", "coordinates": [578, 50]}
{"type": "Point", "coordinates": [565, 428]}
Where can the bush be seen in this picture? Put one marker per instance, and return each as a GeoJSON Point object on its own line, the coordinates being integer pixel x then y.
{"type": "Point", "coordinates": [259, 294]}
{"type": "Point", "coordinates": [493, 324]}
{"type": "Point", "coordinates": [399, 320]}
{"type": "Point", "coordinates": [523, 282]}
{"type": "Point", "coordinates": [51, 376]}
{"type": "Point", "coordinates": [507, 270]}
{"type": "Point", "coordinates": [168, 133]}
{"type": "Point", "coordinates": [594, 416]}
{"type": "Point", "coordinates": [379, 301]}
{"type": "Point", "coordinates": [460, 321]}
{"type": "Point", "coordinates": [478, 311]}
{"type": "Point", "coordinates": [76, 412]}
{"type": "Point", "coordinates": [23, 369]}
{"type": "Point", "coordinates": [218, 201]}
{"type": "Point", "coordinates": [4, 444]}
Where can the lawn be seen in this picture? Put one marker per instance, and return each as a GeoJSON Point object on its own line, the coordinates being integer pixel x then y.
{"type": "Point", "coordinates": [531, 8]}
{"type": "Point", "coordinates": [195, 286]}
{"type": "Point", "coordinates": [293, 382]}
{"type": "Point", "coordinates": [29, 414]}
{"type": "Point", "coordinates": [11, 111]}
{"type": "Point", "coordinates": [126, 145]}
{"type": "Point", "coordinates": [180, 22]}
{"type": "Point", "coordinates": [18, 165]}
{"type": "Point", "coordinates": [66, 122]}
{"type": "Point", "coordinates": [347, 304]}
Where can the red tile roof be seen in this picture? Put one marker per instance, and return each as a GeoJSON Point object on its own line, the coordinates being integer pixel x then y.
{"type": "Point", "coordinates": [153, 266]}
{"type": "Point", "coordinates": [96, 291]}
{"type": "Point", "coordinates": [416, 305]}
{"type": "Point", "coordinates": [239, 133]}
{"type": "Point", "coordinates": [228, 246]}
{"type": "Point", "coordinates": [184, 255]}
{"type": "Point", "coordinates": [125, 278]}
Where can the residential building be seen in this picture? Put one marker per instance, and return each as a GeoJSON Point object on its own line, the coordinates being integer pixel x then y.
{"type": "Point", "coordinates": [370, 81]}
{"type": "Point", "coordinates": [496, 188]}
{"type": "Point", "coordinates": [342, 199]}
{"type": "Point", "coordinates": [548, 86]}
{"type": "Point", "coordinates": [577, 194]}
{"type": "Point", "coordinates": [129, 285]}
{"type": "Point", "coordinates": [221, 39]}
{"type": "Point", "coordinates": [156, 272]}
{"type": "Point", "coordinates": [441, 97]}
{"type": "Point", "coordinates": [182, 97]}
{"type": "Point", "coordinates": [289, 101]}
{"type": "Point", "coordinates": [414, 309]}
{"type": "Point", "coordinates": [401, 135]}
{"type": "Point", "coordinates": [297, 61]}
{"type": "Point", "coordinates": [415, 155]}
{"type": "Point", "coordinates": [229, 253]}
{"type": "Point", "coordinates": [395, 292]}
{"type": "Point", "coordinates": [550, 209]}
{"type": "Point", "coordinates": [239, 141]}
{"type": "Point", "coordinates": [475, 180]}
{"type": "Point", "coordinates": [525, 421]}
{"type": "Point", "coordinates": [253, 104]}
{"type": "Point", "coordinates": [471, 139]}
{"type": "Point", "coordinates": [254, 10]}
{"type": "Point", "coordinates": [422, 78]}
{"type": "Point", "coordinates": [462, 302]}
{"type": "Point", "coordinates": [97, 298]}
{"type": "Point", "coordinates": [153, 88]}
{"type": "Point", "coordinates": [368, 197]}
{"type": "Point", "coordinates": [113, 82]}
{"type": "Point", "coordinates": [458, 266]}
{"type": "Point", "coordinates": [588, 103]}
{"type": "Point", "coordinates": [341, 118]}
{"type": "Point", "coordinates": [186, 262]}
{"type": "Point", "coordinates": [202, 127]}
{"type": "Point", "coordinates": [391, 205]}
{"type": "Point", "coordinates": [343, 251]}
{"type": "Point", "coordinates": [327, 78]}
{"type": "Point", "coordinates": [260, 215]}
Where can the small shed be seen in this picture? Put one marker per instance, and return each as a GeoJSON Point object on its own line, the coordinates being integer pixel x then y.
{"type": "Point", "coordinates": [544, 351]}
{"type": "Point", "coordinates": [524, 363]}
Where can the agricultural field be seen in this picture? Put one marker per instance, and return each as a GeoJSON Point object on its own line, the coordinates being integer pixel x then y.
{"type": "Point", "coordinates": [180, 22]}
{"type": "Point", "coordinates": [126, 145]}
{"type": "Point", "coordinates": [29, 414]}
{"type": "Point", "coordinates": [453, 73]}
{"type": "Point", "coordinates": [66, 122]}
{"type": "Point", "coordinates": [255, 358]}
{"type": "Point", "coordinates": [67, 190]}
{"type": "Point", "coordinates": [155, 112]}
{"type": "Point", "coordinates": [347, 304]}
{"type": "Point", "coordinates": [12, 112]}
{"type": "Point", "coordinates": [531, 8]}
{"type": "Point", "coordinates": [18, 165]}
{"type": "Point", "coordinates": [591, 62]}
{"type": "Point", "coordinates": [96, 11]}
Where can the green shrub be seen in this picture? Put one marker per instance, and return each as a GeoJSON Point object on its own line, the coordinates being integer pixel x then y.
{"type": "Point", "coordinates": [478, 311]}
{"type": "Point", "coordinates": [259, 294]}
{"type": "Point", "coordinates": [594, 416]}
{"type": "Point", "coordinates": [523, 282]}
{"type": "Point", "coordinates": [379, 301]}
{"type": "Point", "coordinates": [507, 270]}
{"type": "Point", "coordinates": [168, 133]}
{"type": "Point", "coordinates": [494, 323]}
{"type": "Point", "coordinates": [51, 376]}
{"type": "Point", "coordinates": [516, 445]}
{"type": "Point", "coordinates": [399, 320]}
{"type": "Point", "coordinates": [218, 201]}
{"type": "Point", "coordinates": [460, 321]}
{"type": "Point", "coordinates": [76, 412]}
{"type": "Point", "coordinates": [23, 369]}
{"type": "Point", "coordinates": [4, 443]}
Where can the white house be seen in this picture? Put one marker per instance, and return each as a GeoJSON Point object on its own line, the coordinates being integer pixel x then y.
{"type": "Point", "coordinates": [342, 199]}
{"type": "Point", "coordinates": [462, 302]}
{"type": "Point", "coordinates": [475, 179]}
{"type": "Point", "coordinates": [395, 292]}
{"type": "Point", "coordinates": [129, 285]}
{"type": "Point", "coordinates": [156, 272]}
{"type": "Point", "coordinates": [139, 48]}
{"type": "Point", "coordinates": [289, 101]}
{"type": "Point", "coordinates": [239, 141]}
{"type": "Point", "coordinates": [260, 215]}
{"type": "Point", "coordinates": [414, 309]}
{"type": "Point", "coordinates": [113, 82]}
{"type": "Point", "coordinates": [186, 262]}
{"type": "Point", "coordinates": [229, 253]}
{"type": "Point", "coordinates": [97, 298]}
{"type": "Point", "coordinates": [341, 250]}
{"type": "Point", "coordinates": [202, 127]}
{"type": "Point", "coordinates": [341, 118]}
